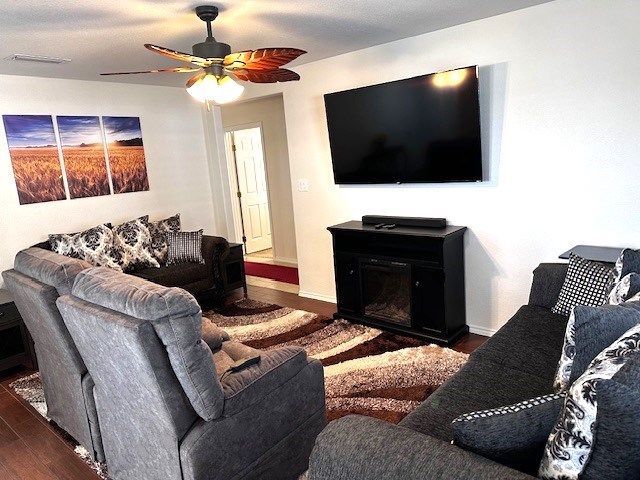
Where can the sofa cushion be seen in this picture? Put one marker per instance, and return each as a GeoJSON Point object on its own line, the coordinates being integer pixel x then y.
{"type": "Point", "coordinates": [174, 275]}
{"type": "Point", "coordinates": [589, 331]}
{"type": "Point", "coordinates": [177, 320]}
{"type": "Point", "coordinates": [572, 439]}
{"type": "Point", "coordinates": [185, 247]}
{"type": "Point", "coordinates": [158, 231]}
{"type": "Point", "coordinates": [514, 435]}
{"type": "Point", "coordinates": [213, 335]}
{"type": "Point", "coordinates": [478, 385]}
{"type": "Point", "coordinates": [627, 289]}
{"type": "Point", "coordinates": [132, 245]}
{"type": "Point", "coordinates": [586, 283]}
{"type": "Point", "coordinates": [94, 245]}
{"type": "Point", "coordinates": [530, 341]}
{"type": "Point", "coordinates": [628, 262]}
{"type": "Point", "coordinates": [50, 268]}
{"type": "Point", "coordinates": [617, 432]}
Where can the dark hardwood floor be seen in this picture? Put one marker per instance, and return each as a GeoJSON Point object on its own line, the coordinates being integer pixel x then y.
{"type": "Point", "coordinates": [31, 449]}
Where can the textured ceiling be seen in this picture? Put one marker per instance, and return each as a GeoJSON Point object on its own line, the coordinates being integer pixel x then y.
{"type": "Point", "coordinates": [103, 36]}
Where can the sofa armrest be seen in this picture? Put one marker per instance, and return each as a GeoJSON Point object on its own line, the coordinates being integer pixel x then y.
{"type": "Point", "coordinates": [547, 283]}
{"type": "Point", "coordinates": [213, 249]}
{"type": "Point", "coordinates": [213, 335]}
{"type": "Point", "coordinates": [362, 448]}
{"type": "Point", "coordinates": [248, 386]}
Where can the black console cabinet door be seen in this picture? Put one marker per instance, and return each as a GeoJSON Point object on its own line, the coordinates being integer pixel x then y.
{"type": "Point", "coordinates": [428, 299]}
{"type": "Point", "coordinates": [347, 283]}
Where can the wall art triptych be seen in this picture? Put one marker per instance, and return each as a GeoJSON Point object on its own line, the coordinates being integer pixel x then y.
{"type": "Point", "coordinates": [99, 156]}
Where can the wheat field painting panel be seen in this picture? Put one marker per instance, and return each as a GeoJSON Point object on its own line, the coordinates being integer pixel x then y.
{"type": "Point", "coordinates": [34, 156]}
{"type": "Point", "coordinates": [83, 154]}
{"type": "Point", "coordinates": [126, 154]}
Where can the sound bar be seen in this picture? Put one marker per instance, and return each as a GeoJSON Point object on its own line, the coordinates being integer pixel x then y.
{"type": "Point", "coordinates": [422, 222]}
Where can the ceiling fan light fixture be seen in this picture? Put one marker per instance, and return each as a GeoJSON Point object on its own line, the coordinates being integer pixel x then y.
{"type": "Point", "coordinates": [220, 90]}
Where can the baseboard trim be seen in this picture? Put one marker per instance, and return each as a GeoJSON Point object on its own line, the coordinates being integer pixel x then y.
{"type": "Point", "coordinates": [292, 262]}
{"type": "Point", "coordinates": [316, 296]}
{"type": "Point", "coordinates": [486, 332]}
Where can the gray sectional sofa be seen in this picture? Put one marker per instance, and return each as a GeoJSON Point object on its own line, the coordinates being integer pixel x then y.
{"type": "Point", "coordinates": [134, 373]}
{"type": "Point", "coordinates": [516, 364]}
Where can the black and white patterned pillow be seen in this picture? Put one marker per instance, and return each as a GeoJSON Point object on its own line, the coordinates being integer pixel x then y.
{"type": "Point", "coordinates": [589, 330]}
{"type": "Point", "coordinates": [94, 245]}
{"type": "Point", "coordinates": [159, 242]}
{"type": "Point", "coordinates": [514, 435]}
{"type": "Point", "coordinates": [586, 283]}
{"type": "Point", "coordinates": [571, 440]}
{"type": "Point", "coordinates": [132, 245]}
{"type": "Point", "coordinates": [628, 262]}
{"type": "Point", "coordinates": [185, 247]}
{"type": "Point", "coordinates": [626, 290]}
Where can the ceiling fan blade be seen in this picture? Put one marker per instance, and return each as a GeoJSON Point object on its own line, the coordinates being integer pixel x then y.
{"type": "Point", "coordinates": [185, 57]}
{"type": "Point", "coordinates": [265, 76]}
{"type": "Point", "coordinates": [262, 59]}
{"type": "Point", "coordinates": [195, 78]}
{"type": "Point", "coordinates": [157, 70]}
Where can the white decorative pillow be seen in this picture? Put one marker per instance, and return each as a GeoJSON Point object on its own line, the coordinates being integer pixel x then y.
{"type": "Point", "coordinates": [626, 290]}
{"type": "Point", "coordinates": [587, 283]}
{"type": "Point", "coordinates": [571, 440]}
{"type": "Point", "coordinates": [627, 262]}
{"type": "Point", "coordinates": [132, 245]}
{"type": "Point", "coordinates": [563, 373]}
{"type": "Point", "coordinates": [159, 242]}
{"type": "Point", "coordinates": [94, 245]}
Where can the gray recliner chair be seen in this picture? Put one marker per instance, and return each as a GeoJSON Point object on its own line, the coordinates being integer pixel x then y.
{"type": "Point", "coordinates": [38, 278]}
{"type": "Point", "coordinates": [170, 407]}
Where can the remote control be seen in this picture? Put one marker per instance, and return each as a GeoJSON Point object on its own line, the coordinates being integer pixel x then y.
{"type": "Point", "coordinates": [244, 363]}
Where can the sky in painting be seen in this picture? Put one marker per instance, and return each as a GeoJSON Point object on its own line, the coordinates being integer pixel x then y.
{"type": "Point", "coordinates": [121, 128]}
{"type": "Point", "coordinates": [29, 130]}
{"type": "Point", "coordinates": [77, 130]}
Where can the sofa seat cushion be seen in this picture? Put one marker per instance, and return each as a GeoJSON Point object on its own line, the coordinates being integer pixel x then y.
{"type": "Point", "coordinates": [530, 342]}
{"type": "Point", "coordinates": [174, 275]}
{"type": "Point", "coordinates": [479, 385]}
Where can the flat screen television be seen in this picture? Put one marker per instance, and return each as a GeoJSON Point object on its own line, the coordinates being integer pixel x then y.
{"type": "Point", "coordinates": [418, 130]}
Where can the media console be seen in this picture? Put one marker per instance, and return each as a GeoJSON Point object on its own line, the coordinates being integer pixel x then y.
{"type": "Point", "coordinates": [407, 279]}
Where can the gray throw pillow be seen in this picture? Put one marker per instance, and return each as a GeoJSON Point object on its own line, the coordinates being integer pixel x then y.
{"type": "Point", "coordinates": [159, 242]}
{"type": "Point", "coordinates": [589, 331]}
{"type": "Point", "coordinates": [185, 247]}
{"type": "Point", "coordinates": [617, 433]}
{"type": "Point", "coordinates": [571, 441]}
{"type": "Point", "coordinates": [586, 283]}
{"type": "Point", "coordinates": [514, 435]}
{"type": "Point", "coordinates": [132, 245]}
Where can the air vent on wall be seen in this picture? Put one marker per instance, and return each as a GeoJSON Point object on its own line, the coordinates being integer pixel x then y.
{"type": "Point", "coordinates": [37, 58]}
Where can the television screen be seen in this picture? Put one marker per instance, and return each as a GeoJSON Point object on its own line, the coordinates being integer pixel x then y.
{"type": "Point", "coordinates": [418, 130]}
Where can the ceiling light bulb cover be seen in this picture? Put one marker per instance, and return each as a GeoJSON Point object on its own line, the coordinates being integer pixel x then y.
{"type": "Point", "coordinates": [223, 90]}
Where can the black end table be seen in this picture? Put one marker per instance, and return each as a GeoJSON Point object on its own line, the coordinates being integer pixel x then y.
{"type": "Point", "coordinates": [233, 269]}
{"type": "Point", "coordinates": [16, 345]}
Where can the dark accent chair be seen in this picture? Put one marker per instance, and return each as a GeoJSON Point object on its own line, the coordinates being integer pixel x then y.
{"type": "Point", "coordinates": [203, 281]}
{"type": "Point", "coordinates": [169, 408]}
{"type": "Point", "coordinates": [515, 364]}
{"type": "Point", "coordinates": [38, 278]}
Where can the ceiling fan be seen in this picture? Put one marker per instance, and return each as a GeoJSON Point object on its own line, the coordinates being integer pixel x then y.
{"type": "Point", "coordinates": [218, 67]}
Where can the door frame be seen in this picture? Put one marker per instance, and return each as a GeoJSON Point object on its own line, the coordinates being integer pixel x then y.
{"type": "Point", "coordinates": [233, 178]}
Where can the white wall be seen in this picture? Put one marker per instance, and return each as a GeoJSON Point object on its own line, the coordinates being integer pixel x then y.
{"type": "Point", "coordinates": [270, 112]}
{"type": "Point", "coordinates": [560, 108]}
{"type": "Point", "coordinates": [173, 134]}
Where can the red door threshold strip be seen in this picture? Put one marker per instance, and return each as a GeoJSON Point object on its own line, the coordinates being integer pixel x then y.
{"type": "Point", "coordinates": [274, 272]}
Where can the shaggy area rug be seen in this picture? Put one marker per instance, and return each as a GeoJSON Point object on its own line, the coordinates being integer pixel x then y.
{"type": "Point", "coordinates": [367, 371]}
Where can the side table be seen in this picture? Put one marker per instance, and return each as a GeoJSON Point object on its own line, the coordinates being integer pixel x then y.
{"type": "Point", "coordinates": [16, 345]}
{"type": "Point", "coordinates": [233, 269]}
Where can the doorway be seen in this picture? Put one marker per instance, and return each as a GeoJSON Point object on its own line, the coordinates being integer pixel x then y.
{"type": "Point", "coordinates": [249, 180]}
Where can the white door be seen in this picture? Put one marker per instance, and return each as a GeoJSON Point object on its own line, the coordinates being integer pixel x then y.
{"type": "Point", "coordinates": [252, 185]}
